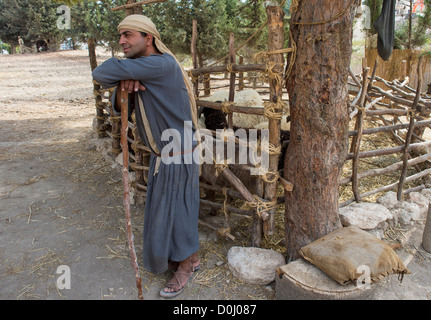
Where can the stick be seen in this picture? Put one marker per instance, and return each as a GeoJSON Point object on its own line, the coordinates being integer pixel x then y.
{"type": "Point", "coordinates": [357, 139]}
{"type": "Point", "coordinates": [126, 199]}
{"type": "Point", "coordinates": [135, 4]}
{"type": "Point", "coordinates": [426, 236]}
{"type": "Point", "coordinates": [410, 132]}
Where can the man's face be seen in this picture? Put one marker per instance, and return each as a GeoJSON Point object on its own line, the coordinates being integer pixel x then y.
{"type": "Point", "coordinates": [133, 43]}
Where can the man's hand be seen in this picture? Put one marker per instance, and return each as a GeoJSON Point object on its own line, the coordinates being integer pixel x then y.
{"type": "Point", "coordinates": [131, 85]}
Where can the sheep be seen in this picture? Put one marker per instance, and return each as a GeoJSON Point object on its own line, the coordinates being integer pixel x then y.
{"type": "Point", "coordinates": [285, 125]}
{"type": "Point", "coordinates": [213, 119]}
{"type": "Point", "coordinates": [244, 98]}
{"type": "Point", "coordinates": [216, 119]}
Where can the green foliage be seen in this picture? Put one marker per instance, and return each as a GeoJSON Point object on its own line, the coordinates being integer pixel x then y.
{"type": "Point", "coordinates": [215, 20]}
{"type": "Point", "coordinates": [5, 46]}
{"type": "Point", "coordinates": [30, 19]}
{"type": "Point", "coordinates": [419, 36]}
{"type": "Point", "coordinates": [174, 20]}
{"type": "Point", "coordinates": [13, 22]}
{"type": "Point", "coordinates": [33, 19]}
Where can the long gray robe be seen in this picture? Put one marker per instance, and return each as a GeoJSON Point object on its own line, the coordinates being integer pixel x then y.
{"type": "Point", "coordinates": [172, 201]}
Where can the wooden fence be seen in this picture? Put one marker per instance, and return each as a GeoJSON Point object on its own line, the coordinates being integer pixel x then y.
{"type": "Point", "coordinates": [377, 106]}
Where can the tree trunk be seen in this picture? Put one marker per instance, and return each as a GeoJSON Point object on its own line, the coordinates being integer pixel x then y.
{"type": "Point", "coordinates": [91, 43]}
{"type": "Point", "coordinates": [322, 30]}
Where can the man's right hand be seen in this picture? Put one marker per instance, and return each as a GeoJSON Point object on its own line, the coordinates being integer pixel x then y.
{"type": "Point", "coordinates": [131, 86]}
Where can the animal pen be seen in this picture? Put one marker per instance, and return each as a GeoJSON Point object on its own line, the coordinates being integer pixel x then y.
{"type": "Point", "coordinates": [376, 106]}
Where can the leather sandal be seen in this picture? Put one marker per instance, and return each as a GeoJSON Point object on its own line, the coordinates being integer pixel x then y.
{"type": "Point", "coordinates": [179, 281]}
{"type": "Point", "coordinates": [177, 284]}
{"type": "Point", "coordinates": [173, 265]}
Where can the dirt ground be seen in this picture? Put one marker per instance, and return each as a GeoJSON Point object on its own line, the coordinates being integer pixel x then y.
{"type": "Point", "coordinates": [61, 201]}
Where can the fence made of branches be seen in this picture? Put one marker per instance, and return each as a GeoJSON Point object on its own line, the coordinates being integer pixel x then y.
{"type": "Point", "coordinates": [376, 107]}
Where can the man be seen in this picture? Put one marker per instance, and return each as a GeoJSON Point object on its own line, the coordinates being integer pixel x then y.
{"type": "Point", "coordinates": [163, 101]}
{"type": "Point", "coordinates": [21, 45]}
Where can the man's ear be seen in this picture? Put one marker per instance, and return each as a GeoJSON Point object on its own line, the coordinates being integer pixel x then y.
{"type": "Point", "coordinates": [149, 39]}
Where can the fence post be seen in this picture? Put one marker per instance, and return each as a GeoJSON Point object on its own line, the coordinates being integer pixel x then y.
{"type": "Point", "coordinates": [426, 237]}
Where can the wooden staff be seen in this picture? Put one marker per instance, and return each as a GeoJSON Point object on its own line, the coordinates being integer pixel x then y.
{"type": "Point", "coordinates": [126, 199]}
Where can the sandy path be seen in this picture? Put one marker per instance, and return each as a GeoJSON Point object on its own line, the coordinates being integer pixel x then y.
{"type": "Point", "coordinates": [61, 200]}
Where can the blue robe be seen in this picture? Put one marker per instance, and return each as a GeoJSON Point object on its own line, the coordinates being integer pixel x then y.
{"type": "Point", "coordinates": [172, 200]}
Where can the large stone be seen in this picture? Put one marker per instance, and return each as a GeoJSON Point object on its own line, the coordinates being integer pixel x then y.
{"type": "Point", "coordinates": [407, 212]}
{"type": "Point", "coordinates": [421, 200]}
{"type": "Point", "coordinates": [254, 265]}
{"type": "Point", "coordinates": [366, 216]}
{"type": "Point", "coordinates": [389, 200]}
{"type": "Point", "coordinates": [300, 280]}
{"type": "Point", "coordinates": [426, 193]}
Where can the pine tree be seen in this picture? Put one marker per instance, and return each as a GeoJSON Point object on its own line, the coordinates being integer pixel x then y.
{"type": "Point", "coordinates": [42, 16]}
{"type": "Point", "coordinates": [13, 22]}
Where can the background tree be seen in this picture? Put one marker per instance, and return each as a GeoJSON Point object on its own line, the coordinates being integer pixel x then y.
{"type": "Point", "coordinates": [14, 22]}
{"type": "Point", "coordinates": [42, 18]}
{"type": "Point", "coordinates": [174, 22]}
{"type": "Point", "coordinates": [417, 36]}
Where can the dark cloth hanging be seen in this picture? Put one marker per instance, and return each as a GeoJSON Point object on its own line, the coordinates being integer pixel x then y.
{"type": "Point", "coordinates": [385, 26]}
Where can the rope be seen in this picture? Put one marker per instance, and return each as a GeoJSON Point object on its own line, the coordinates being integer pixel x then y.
{"type": "Point", "coordinates": [273, 75]}
{"type": "Point", "coordinates": [273, 110]}
{"type": "Point", "coordinates": [275, 177]}
{"type": "Point", "coordinates": [339, 14]}
{"type": "Point", "coordinates": [220, 167]}
{"type": "Point", "coordinates": [259, 55]}
{"type": "Point", "coordinates": [411, 113]}
{"type": "Point", "coordinates": [226, 105]}
{"type": "Point", "coordinates": [261, 205]}
{"type": "Point", "coordinates": [190, 74]}
{"type": "Point", "coordinates": [294, 8]}
{"type": "Point", "coordinates": [229, 68]}
{"type": "Point", "coordinates": [114, 119]}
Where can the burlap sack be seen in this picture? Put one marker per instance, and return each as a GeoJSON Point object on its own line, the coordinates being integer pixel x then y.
{"type": "Point", "coordinates": [344, 254]}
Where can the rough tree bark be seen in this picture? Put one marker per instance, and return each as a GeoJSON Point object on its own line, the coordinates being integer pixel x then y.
{"type": "Point", "coordinates": [322, 31]}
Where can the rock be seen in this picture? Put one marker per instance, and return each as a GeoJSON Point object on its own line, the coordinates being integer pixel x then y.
{"type": "Point", "coordinates": [389, 200]}
{"type": "Point", "coordinates": [378, 233]}
{"type": "Point", "coordinates": [300, 280]}
{"type": "Point", "coordinates": [421, 200]}
{"type": "Point", "coordinates": [254, 265]}
{"type": "Point", "coordinates": [366, 216]}
{"type": "Point", "coordinates": [119, 159]}
{"type": "Point", "coordinates": [407, 212]}
{"type": "Point", "coordinates": [426, 193]}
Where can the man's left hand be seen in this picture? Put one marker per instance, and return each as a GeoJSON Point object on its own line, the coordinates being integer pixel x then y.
{"type": "Point", "coordinates": [131, 86]}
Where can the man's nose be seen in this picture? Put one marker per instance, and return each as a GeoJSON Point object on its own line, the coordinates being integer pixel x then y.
{"type": "Point", "coordinates": [121, 41]}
